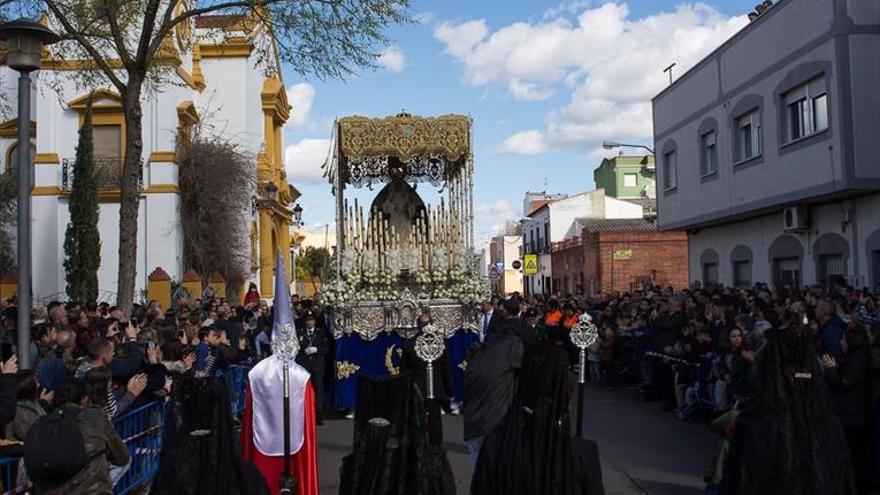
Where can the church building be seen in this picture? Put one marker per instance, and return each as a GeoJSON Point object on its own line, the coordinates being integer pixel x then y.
{"type": "Point", "coordinates": [217, 69]}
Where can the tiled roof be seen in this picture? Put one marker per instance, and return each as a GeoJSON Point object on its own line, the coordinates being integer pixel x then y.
{"type": "Point", "coordinates": [616, 225]}
{"type": "Point", "coordinates": [645, 203]}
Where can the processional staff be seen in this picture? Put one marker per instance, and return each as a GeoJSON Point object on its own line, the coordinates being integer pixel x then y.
{"type": "Point", "coordinates": [584, 334]}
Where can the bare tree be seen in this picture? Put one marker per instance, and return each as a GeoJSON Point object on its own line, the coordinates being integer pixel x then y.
{"type": "Point", "coordinates": [122, 39]}
{"type": "Point", "coordinates": [216, 180]}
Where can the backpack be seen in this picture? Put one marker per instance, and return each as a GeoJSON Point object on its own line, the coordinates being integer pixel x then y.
{"type": "Point", "coordinates": [45, 461]}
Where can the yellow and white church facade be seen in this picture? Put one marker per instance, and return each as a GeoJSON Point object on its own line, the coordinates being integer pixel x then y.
{"type": "Point", "coordinates": [228, 76]}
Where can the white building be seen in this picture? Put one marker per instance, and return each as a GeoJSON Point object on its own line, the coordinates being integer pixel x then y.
{"type": "Point", "coordinates": [504, 250]}
{"type": "Point", "coordinates": [768, 150]}
{"type": "Point", "coordinates": [557, 221]}
{"type": "Point", "coordinates": [224, 81]}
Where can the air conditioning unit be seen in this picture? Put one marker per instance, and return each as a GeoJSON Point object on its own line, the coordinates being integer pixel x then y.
{"type": "Point", "coordinates": [795, 219]}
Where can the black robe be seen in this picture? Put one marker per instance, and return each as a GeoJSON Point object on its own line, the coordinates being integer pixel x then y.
{"type": "Point", "coordinates": [532, 452]}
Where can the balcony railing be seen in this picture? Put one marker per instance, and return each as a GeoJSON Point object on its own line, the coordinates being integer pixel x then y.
{"type": "Point", "coordinates": [107, 170]}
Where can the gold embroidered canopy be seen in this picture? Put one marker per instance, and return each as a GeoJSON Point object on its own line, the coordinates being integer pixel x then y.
{"type": "Point", "coordinates": [405, 137]}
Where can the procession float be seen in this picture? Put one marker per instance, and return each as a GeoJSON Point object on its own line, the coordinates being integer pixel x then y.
{"type": "Point", "coordinates": [401, 255]}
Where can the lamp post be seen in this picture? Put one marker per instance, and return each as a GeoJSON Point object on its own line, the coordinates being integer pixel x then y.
{"type": "Point", "coordinates": [24, 44]}
{"type": "Point", "coordinates": [614, 144]}
{"type": "Point", "coordinates": [297, 215]}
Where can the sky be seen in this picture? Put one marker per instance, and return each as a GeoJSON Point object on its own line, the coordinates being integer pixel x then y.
{"type": "Point", "coordinates": [544, 81]}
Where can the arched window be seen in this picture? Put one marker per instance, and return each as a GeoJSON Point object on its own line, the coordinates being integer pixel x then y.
{"type": "Point", "coordinates": [741, 266]}
{"type": "Point", "coordinates": [12, 157]}
{"type": "Point", "coordinates": [709, 267]}
{"type": "Point", "coordinates": [786, 258]}
{"type": "Point", "coordinates": [831, 255]}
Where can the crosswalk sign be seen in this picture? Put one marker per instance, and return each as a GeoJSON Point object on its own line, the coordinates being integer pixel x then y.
{"type": "Point", "coordinates": [530, 264]}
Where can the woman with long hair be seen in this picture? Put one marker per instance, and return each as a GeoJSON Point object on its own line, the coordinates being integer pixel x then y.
{"type": "Point", "coordinates": [788, 440]}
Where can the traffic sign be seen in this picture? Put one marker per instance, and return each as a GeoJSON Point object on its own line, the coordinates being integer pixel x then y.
{"type": "Point", "coordinates": [531, 264]}
{"type": "Point", "coordinates": [494, 274]}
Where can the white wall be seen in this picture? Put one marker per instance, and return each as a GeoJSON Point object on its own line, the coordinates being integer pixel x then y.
{"type": "Point", "coordinates": [759, 233]}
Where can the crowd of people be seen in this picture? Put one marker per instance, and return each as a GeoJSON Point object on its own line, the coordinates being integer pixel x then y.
{"type": "Point", "coordinates": [702, 353]}
{"type": "Point", "coordinates": [698, 353]}
{"type": "Point", "coordinates": [94, 363]}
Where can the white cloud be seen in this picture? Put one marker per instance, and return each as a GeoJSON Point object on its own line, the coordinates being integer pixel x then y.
{"type": "Point", "coordinates": [524, 143]}
{"type": "Point", "coordinates": [424, 17]}
{"type": "Point", "coordinates": [305, 158]}
{"type": "Point", "coordinates": [491, 219]}
{"type": "Point", "coordinates": [392, 59]}
{"type": "Point", "coordinates": [609, 62]}
{"type": "Point", "coordinates": [300, 97]}
{"type": "Point", "coordinates": [526, 91]}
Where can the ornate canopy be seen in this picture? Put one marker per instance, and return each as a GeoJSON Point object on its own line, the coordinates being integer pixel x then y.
{"type": "Point", "coordinates": [368, 150]}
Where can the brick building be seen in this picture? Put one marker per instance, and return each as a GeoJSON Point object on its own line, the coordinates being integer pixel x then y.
{"type": "Point", "coordinates": [620, 255]}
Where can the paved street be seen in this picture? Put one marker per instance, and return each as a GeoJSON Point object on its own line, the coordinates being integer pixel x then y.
{"type": "Point", "coordinates": [662, 455]}
{"type": "Point", "coordinates": [643, 450]}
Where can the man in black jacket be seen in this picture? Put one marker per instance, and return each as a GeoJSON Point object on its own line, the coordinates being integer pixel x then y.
{"type": "Point", "coordinates": [313, 346]}
{"type": "Point", "coordinates": [490, 381]}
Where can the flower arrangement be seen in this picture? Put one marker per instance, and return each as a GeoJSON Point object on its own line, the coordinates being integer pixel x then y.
{"type": "Point", "coordinates": [423, 276]}
{"type": "Point", "coordinates": [338, 293]}
{"type": "Point", "coordinates": [471, 290]}
{"type": "Point", "coordinates": [456, 274]}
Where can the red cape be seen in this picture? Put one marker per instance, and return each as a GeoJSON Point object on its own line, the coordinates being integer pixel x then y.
{"type": "Point", "coordinates": [303, 464]}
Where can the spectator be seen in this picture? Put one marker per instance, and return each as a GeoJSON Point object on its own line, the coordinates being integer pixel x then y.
{"type": "Point", "coordinates": [31, 405]}
{"type": "Point", "coordinates": [830, 330]}
{"type": "Point", "coordinates": [850, 385]}
{"type": "Point", "coordinates": [734, 370]}
{"type": "Point", "coordinates": [100, 355]}
{"type": "Point", "coordinates": [8, 391]}
{"type": "Point", "coordinates": [103, 447]}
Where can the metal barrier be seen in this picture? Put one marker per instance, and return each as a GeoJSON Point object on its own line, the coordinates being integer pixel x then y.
{"type": "Point", "coordinates": [8, 474]}
{"type": "Point", "coordinates": [141, 430]}
{"type": "Point", "coordinates": [236, 379]}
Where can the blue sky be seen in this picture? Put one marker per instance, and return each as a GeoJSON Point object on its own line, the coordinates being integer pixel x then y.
{"type": "Point", "coordinates": [545, 82]}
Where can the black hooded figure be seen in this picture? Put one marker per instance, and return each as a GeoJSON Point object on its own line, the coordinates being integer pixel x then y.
{"type": "Point", "coordinates": [199, 454]}
{"type": "Point", "coordinates": [532, 452]}
{"type": "Point", "coordinates": [392, 455]}
{"type": "Point", "coordinates": [789, 440]}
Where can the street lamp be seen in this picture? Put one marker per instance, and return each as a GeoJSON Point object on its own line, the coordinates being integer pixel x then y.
{"type": "Point", "coordinates": [614, 144]}
{"type": "Point", "coordinates": [297, 215]}
{"type": "Point", "coordinates": [24, 50]}
{"type": "Point", "coordinates": [272, 192]}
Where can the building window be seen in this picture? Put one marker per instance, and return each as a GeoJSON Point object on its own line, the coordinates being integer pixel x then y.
{"type": "Point", "coordinates": [832, 268]}
{"type": "Point", "coordinates": [630, 180]}
{"type": "Point", "coordinates": [710, 274]}
{"type": "Point", "coordinates": [547, 237]}
{"type": "Point", "coordinates": [709, 164]}
{"type": "Point", "coordinates": [787, 271]}
{"type": "Point", "coordinates": [669, 171]}
{"type": "Point", "coordinates": [748, 136]}
{"type": "Point", "coordinates": [806, 110]}
{"type": "Point", "coordinates": [742, 274]}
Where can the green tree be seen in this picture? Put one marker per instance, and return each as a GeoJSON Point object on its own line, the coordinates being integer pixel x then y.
{"type": "Point", "coordinates": [311, 265]}
{"type": "Point", "coordinates": [82, 241]}
{"type": "Point", "coordinates": [122, 39]}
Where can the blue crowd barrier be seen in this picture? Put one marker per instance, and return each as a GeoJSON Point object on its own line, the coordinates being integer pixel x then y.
{"type": "Point", "coordinates": [8, 474]}
{"type": "Point", "coordinates": [141, 429]}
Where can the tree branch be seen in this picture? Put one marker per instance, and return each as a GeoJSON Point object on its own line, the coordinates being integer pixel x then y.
{"type": "Point", "coordinates": [118, 40]}
{"type": "Point", "coordinates": [87, 46]}
{"type": "Point", "coordinates": [147, 40]}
